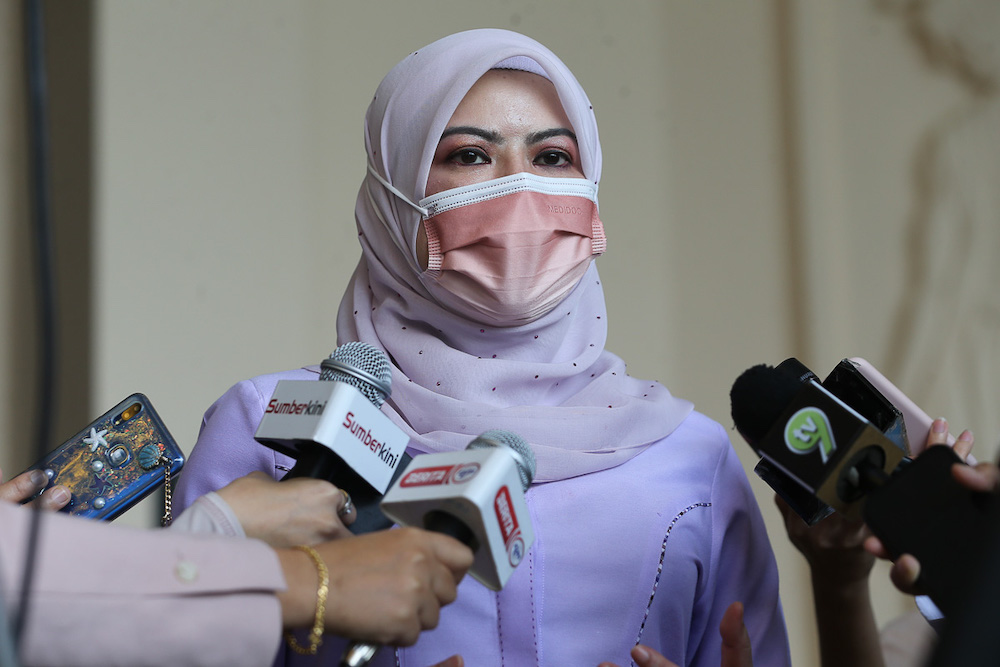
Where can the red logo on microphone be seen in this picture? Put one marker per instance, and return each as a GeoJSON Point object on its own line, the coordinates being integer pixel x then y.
{"type": "Point", "coordinates": [456, 474]}
{"type": "Point", "coordinates": [511, 532]}
{"type": "Point", "coordinates": [426, 476]}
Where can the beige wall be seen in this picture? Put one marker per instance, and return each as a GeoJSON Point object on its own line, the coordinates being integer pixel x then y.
{"type": "Point", "coordinates": [758, 192]}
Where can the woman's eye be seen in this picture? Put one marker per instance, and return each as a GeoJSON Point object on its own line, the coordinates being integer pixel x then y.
{"type": "Point", "coordinates": [553, 159]}
{"type": "Point", "coordinates": [469, 156]}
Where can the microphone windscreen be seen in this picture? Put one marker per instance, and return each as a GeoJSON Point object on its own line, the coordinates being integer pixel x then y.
{"type": "Point", "coordinates": [759, 396]}
{"type": "Point", "coordinates": [362, 366]}
{"type": "Point", "coordinates": [520, 450]}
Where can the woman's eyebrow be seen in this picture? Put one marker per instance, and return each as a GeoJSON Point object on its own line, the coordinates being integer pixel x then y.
{"type": "Point", "coordinates": [489, 135]}
{"type": "Point", "coordinates": [536, 137]}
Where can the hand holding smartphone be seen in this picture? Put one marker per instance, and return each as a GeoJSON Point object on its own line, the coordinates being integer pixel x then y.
{"type": "Point", "coordinates": [115, 461]}
{"type": "Point", "coordinates": [922, 510]}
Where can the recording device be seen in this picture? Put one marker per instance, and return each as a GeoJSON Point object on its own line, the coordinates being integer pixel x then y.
{"type": "Point", "coordinates": [115, 461]}
{"type": "Point", "coordinates": [476, 496]}
{"type": "Point", "coordinates": [335, 431]}
{"type": "Point", "coordinates": [821, 443]}
{"type": "Point", "coordinates": [841, 445]}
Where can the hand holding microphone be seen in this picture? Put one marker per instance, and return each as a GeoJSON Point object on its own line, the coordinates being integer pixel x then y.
{"type": "Point", "coordinates": [841, 444]}
{"type": "Point", "coordinates": [335, 431]}
{"type": "Point", "coordinates": [823, 445]}
{"type": "Point", "coordinates": [387, 585]}
{"type": "Point", "coordinates": [286, 514]}
{"type": "Point", "coordinates": [477, 497]}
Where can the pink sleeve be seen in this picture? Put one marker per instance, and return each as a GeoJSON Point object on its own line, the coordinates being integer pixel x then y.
{"type": "Point", "coordinates": [209, 514]}
{"type": "Point", "coordinates": [107, 595]}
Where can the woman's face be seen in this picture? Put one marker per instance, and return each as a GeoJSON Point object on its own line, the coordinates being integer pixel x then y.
{"type": "Point", "coordinates": [508, 123]}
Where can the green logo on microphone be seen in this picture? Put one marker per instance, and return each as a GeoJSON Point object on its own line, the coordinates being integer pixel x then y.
{"type": "Point", "coordinates": [809, 429]}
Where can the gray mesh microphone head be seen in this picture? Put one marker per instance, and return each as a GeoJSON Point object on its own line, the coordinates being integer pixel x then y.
{"type": "Point", "coordinates": [362, 366]}
{"type": "Point", "coordinates": [516, 446]}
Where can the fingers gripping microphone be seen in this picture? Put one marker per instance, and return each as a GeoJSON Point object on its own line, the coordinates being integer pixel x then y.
{"type": "Point", "coordinates": [476, 496]}
{"type": "Point", "coordinates": [335, 431]}
{"type": "Point", "coordinates": [840, 445]}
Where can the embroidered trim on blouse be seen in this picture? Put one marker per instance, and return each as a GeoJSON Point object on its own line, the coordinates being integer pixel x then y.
{"type": "Point", "coordinates": [659, 566]}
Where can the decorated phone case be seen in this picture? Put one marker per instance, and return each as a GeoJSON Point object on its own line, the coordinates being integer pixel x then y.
{"type": "Point", "coordinates": [116, 461]}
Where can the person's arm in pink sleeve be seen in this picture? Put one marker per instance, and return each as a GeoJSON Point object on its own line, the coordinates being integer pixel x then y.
{"type": "Point", "coordinates": [110, 595]}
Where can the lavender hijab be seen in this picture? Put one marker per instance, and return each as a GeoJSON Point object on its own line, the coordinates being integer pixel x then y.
{"type": "Point", "coordinates": [550, 381]}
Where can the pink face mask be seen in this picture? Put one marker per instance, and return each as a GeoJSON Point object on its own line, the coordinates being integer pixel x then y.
{"type": "Point", "coordinates": [505, 252]}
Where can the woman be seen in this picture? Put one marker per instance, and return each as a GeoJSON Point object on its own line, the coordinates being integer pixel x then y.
{"type": "Point", "coordinates": [478, 224]}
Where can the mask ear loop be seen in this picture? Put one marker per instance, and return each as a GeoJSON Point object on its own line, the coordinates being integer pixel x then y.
{"type": "Point", "coordinates": [388, 186]}
{"type": "Point", "coordinates": [408, 253]}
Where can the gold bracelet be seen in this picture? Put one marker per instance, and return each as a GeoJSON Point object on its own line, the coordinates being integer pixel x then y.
{"type": "Point", "coordinates": [316, 634]}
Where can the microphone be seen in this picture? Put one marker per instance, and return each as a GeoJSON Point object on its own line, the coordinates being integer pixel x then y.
{"type": "Point", "coordinates": [822, 445]}
{"type": "Point", "coordinates": [841, 445]}
{"type": "Point", "coordinates": [475, 495]}
{"type": "Point", "coordinates": [335, 431]}
{"type": "Point", "coordinates": [358, 365]}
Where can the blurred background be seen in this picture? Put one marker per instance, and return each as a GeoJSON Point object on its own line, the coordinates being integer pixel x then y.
{"type": "Point", "coordinates": [781, 178]}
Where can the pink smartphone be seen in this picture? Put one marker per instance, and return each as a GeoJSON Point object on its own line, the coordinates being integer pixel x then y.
{"type": "Point", "coordinates": [923, 511]}
{"type": "Point", "coordinates": [918, 422]}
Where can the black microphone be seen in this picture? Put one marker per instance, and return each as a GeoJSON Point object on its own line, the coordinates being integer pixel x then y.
{"type": "Point", "coordinates": [476, 496]}
{"type": "Point", "coordinates": [823, 446]}
{"type": "Point", "coordinates": [841, 445]}
{"type": "Point", "coordinates": [320, 430]}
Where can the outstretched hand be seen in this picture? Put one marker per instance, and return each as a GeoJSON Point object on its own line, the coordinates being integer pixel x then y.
{"type": "Point", "coordinates": [736, 648]}
{"type": "Point", "coordinates": [833, 547]}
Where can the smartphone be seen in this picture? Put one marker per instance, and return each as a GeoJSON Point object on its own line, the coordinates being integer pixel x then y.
{"type": "Point", "coordinates": [917, 422]}
{"type": "Point", "coordinates": [922, 510]}
{"type": "Point", "coordinates": [116, 461]}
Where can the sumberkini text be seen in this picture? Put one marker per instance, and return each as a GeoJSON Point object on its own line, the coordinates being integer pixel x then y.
{"type": "Point", "coordinates": [361, 433]}
{"type": "Point", "coordinates": [294, 408]}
